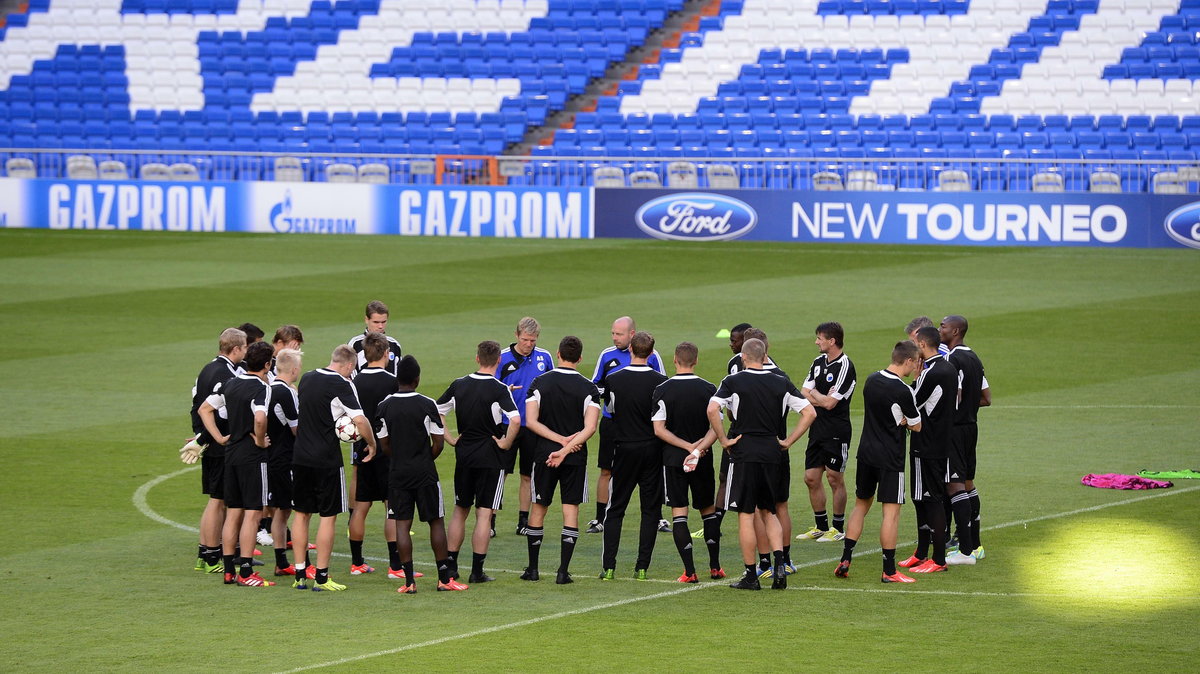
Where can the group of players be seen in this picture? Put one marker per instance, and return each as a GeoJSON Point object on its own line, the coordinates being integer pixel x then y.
{"type": "Point", "coordinates": [268, 451]}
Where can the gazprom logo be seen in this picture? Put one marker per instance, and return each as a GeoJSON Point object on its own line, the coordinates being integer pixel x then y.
{"type": "Point", "coordinates": [284, 222]}
{"type": "Point", "coordinates": [280, 214]}
{"type": "Point", "coordinates": [1183, 225]}
{"type": "Point", "coordinates": [696, 217]}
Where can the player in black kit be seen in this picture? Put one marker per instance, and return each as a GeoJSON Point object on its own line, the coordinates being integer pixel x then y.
{"type": "Point", "coordinates": [245, 400]}
{"type": "Point", "coordinates": [282, 419]}
{"type": "Point", "coordinates": [680, 417]}
{"type": "Point", "coordinates": [562, 408]}
{"type": "Point", "coordinates": [888, 409]}
{"type": "Point", "coordinates": [829, 386]}
{"type": "Point", "coordinates": [637, 455]}
{"type": "Point", "coordinates": [973, 393]}
{"type": "Point", "coordinates": [373, 383]}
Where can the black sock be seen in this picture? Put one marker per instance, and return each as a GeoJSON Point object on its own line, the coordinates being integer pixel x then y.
{"type": "Point", "coordinates": [247, 567]}
{"type": "Point", "coordinates": [356, 557]}
{"type": "Point", "coordinates": [533, 543]}
{"type": "Point", "coordinates": [720, 513]}
{"type": "Point", "coordinates": [393, 555]}
{"type": "Point", "coordinates": [839, 522]}
{"type": "Point", "coordinates": [924, 532]}
{"type": "Point", "coordinates": [960, 503]}
{"type": "Point", "coordinates": [600, 508]}
{"type": "Point", "coordinates": [445, 569]}
{"type": "Point", "coordinates": [211, 555]}
{"type": "Point", "coordinates": [751, 570]}
{"type": "Point", "coordinates": [780, 559]}
{"type": "Point", "coordinates": [452, 555]}
{"type": "Point", "coordinates": [683, 543]}
{"type": "Point", "coordinates": [281, 559]}
{"type": "Point", "coordinates": [848, 549]}
{"type": "Point", "coordinates": [889, 561]}
{"type": "Point", "coordinates": [410, 576]}
{"type": "Point", "coordinates": [493, 521]}
{"type": "Point", "coordinates": [764, 561]}
{"type": "Point", "coordinates": [570, 536]}
{"type": "Point", "coordinates": [229, 563]}
{"type": "Point", "coordinates": [477, 563]}
{"type": "Point", "coordinates": [712, 538]}
{"type": "Point", "coordinates": [822, 520]}
{"type": "Point", "coordinates": [787, 553]}
{"type": "Point", "coordinates": [937, 531]}
{"type": "Point", "coordinates": [975, 519]}
{"type": "Point", "coordinates": [322, 575]}
{"type": "Point", "coordinates": [200, 549]}
{"type": "Point", "coordinates": [522, 517]}
{"type": "Point", "coordinates": [264, 524]}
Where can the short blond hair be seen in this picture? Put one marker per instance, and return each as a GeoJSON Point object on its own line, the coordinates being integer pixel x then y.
{"type": "Point", "coordinates": [231, 338]}
{"type": "Point", "coordinates": [529, 326]}
{"type": "Point", "coordinates": [288, 360]}
{"type": "Point", "coordinates": [343, 354]}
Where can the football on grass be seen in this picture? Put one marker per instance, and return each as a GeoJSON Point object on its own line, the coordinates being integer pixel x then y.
{"type": "Point", "coordinates": [345, 429]}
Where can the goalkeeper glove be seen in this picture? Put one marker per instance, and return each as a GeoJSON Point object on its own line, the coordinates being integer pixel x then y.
{"type": "Point", "coordinates": [191, 451]}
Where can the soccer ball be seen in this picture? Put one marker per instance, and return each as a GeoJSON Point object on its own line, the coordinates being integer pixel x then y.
{"type": "Point", "coordinates": [345, 429]}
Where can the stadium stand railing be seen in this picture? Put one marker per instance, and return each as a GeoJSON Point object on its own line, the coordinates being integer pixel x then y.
{"type": "Point", "coordinates": [715, 172]}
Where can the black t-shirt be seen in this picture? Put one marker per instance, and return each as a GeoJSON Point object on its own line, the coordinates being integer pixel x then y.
{"type": "Point", "coordinates": [758, 402]}
{"type": "Point", "coordinates": [408, 420]}
{"type": "Point", "coordinates": [240, 398]}
{"type": "Point", "coordinates": [628, 397]}
{"type": "Point", "coordinates": [325, 395]}
{"type": "Point", "coordinates": [216, 372]}
{"type": "Point", "coordinates": [886, 401]}
{"type": "Point", "coordinates": [935, 392]}
{"type": "Point", "coordinates": [682, 402]}
{"type": "Point", "coordinates": [835, 378]}
{"type": "Point", "coordinates": [373, 385]}
{"type": "Point", "coordinates": [394, 354]}
{"type": "Point", "coordinates": [481, 403]}
{"type": "Point", "coordinates": [282, 417]}
{"type": "Point", "coordinates": [563, 396]}
{"type": "Point", "coordinates": [971, 382]}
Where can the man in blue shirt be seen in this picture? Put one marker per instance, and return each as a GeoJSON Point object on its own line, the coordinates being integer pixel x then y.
{"type": "Point", "coordinates": [520, 364]}
{"type": "Point", "coordinates": [612, 359]}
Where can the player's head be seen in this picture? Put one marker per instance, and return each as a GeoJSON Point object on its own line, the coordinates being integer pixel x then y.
{"type": "Point", "coordinates": [408, 372]}
{"type": "Point", "coordinates": [375, 347]}
{"type": "Point", "coordinates": [737, 335]}
{"type": "Point", "coordinates": [253, 333]}
{"type": "Point", "coordinates": [641, 345]}
{"type": "Point", "coordinates": [487, 353]}
{"type": "Point", "coordinates": [288, 363]}
{"type": "Point", "coordinates": [622, 330]}
{"type": "Point", "coordinates": [288, 337]}
{"type": "Point", "coordinates": [570, 350]}
{"type": "Point", "coordinates": [233, 341]}
{"type": "Point", "coordinates": [258, 356]}
{"type": "Point", "coordinates": [343, 360]}
{"type": "Point", "coordinates": [377, 316]}
{"type": "Point", "coordinates": [686, 355]}
{"type": "Point", "coordinates": [905, 358]}
{"type": "Point", "coordinates": [953, 329]}
{"type": "Point", "coordinates": [829, 334]}
{"type": "Point", "coordinates": [916, 324]}
{"type": "Point", "coordinates": [755, 333]}
{"type": "Point", "coordinates": [927, 340]}
{"type": "Point", "coordinates": [528, 330]}
{"type": "Point", "coordinates": [754, 352]}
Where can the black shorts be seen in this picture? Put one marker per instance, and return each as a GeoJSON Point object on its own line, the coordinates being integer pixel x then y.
{"type": "Point", "coordinates": [783, 479]}
{"type": "Point", "coordinates": [962, 452]}
{"type": "Point", "coordinates": [478, 487]}
{"type": "Point", "coordinates": [246, 486]}
{"type": "Point", "coordinates": [371, 479]}
{"type": "Point", "coordinates": [700, 482]}
{"type": "Point", "coordinates": [319, 490]}
{"type": "Point", "coordinates": [929, 479]}
{"type": "Point", "coordinates": [212, 476]}
{"type": "Point", "coordinates": [425, 500]}
{"type": "Point", "coordinates": [752, 486]}
{"type": "Point", "coordinates": [832, 453]}
{"type": "Point", "coordinates": [279, 486]}
{"type": "Point", "coordinates": [571, 481]}
{"type": "Point", "coordinates": [522, 449]}
{"type": "Point", "coordinates": [887, 486]}
{"type": "Point", "coordinates": [608, 444]}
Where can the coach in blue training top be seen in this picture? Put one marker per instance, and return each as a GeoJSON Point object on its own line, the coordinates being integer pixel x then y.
{"type": "Point", "coordinates": [520, 364]}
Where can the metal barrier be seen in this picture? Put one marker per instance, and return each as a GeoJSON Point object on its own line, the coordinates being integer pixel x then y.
{"type": "Point", "coordinates": [784, 172]}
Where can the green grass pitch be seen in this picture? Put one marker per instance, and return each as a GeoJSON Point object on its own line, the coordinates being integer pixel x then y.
{"type": "Point", "coordinates": [1092, 356]}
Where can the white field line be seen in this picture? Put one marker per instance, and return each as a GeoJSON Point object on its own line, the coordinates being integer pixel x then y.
{"type": "Point", "coordinates": [139, 501]}
{"type": "Point", "coordinates": [1093, 407]}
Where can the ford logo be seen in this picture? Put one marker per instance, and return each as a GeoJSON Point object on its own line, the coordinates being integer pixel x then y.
{"type": "Point", "coordinates": [1183, 225]}
{"type": "Point", "coordinates": [696, 216]}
